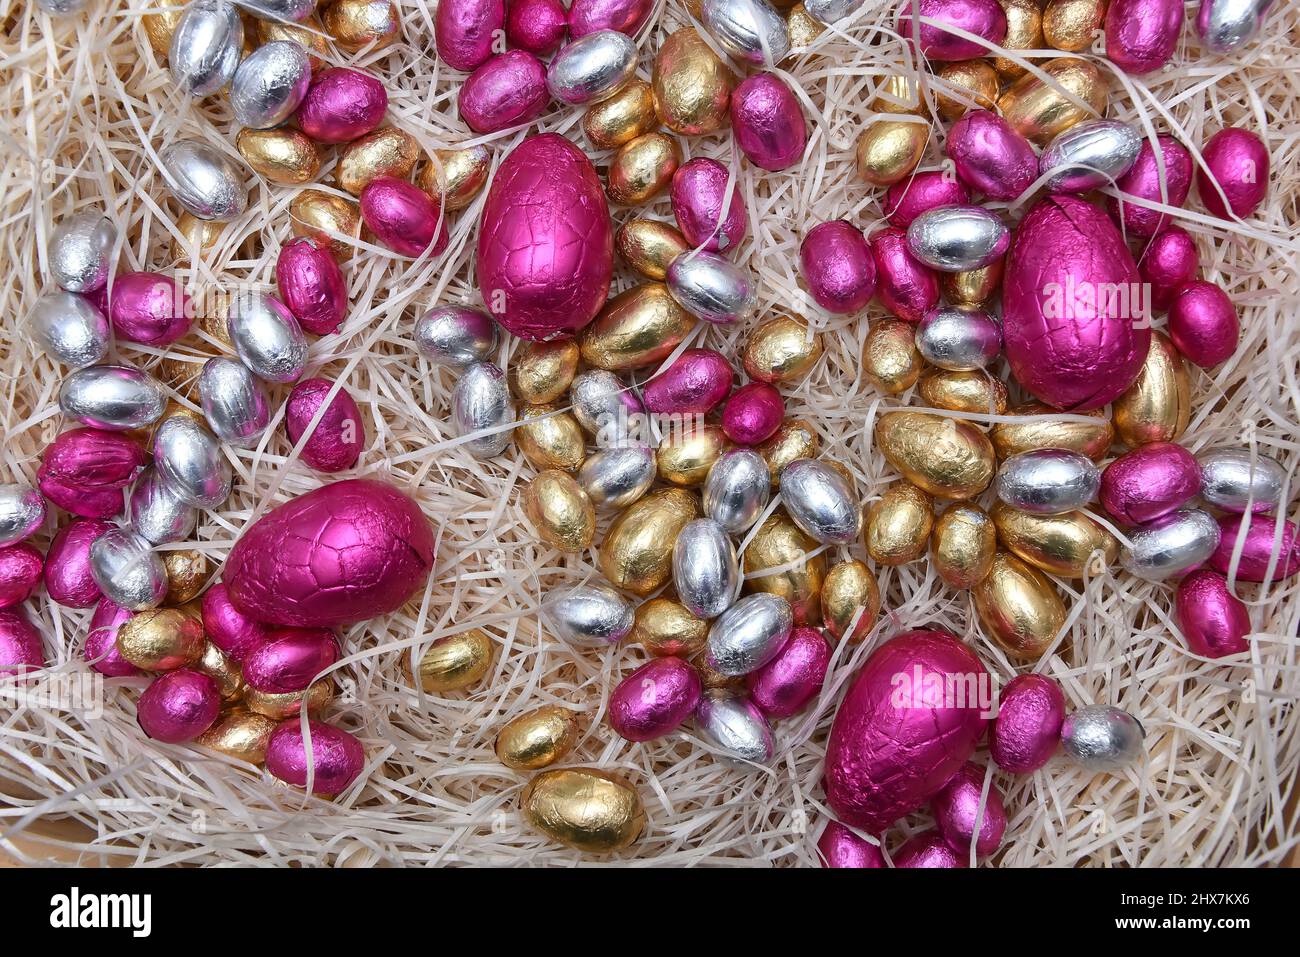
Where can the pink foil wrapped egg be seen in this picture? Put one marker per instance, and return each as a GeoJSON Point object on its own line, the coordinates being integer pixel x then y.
{"type": "Point", "coordinates": [227, 627]}
{"type": "Point", "coordinates": [695, 383]}
{"type": "Point", "coordinates": [537, 26]}
{"type": "Point", "coordinates": [957, 810]}
{"type": "Point", "coordinates": [767, 122]}
{"type": "Point", "coordinates": [148, 308]}
{"type": "Point", "coordinates": [988, 155]}
{"type": "Point", "coordinates": [85, 471]}
{"type": "Point", "coordinates": [928, 850]}
{"type": "Point", "coordinates": [338, 438]}
{"type": "Point", "coordinates": [591, 16]}
{"type": "Point", "coordinates": [546, 245]}
{"type": "Point", "coordinates": [67, 564]}
{"type": "Point", "coordinates": [896, 741]}
{"type": "Point", "coordinates": [1027, 729]}
{"type": "Point", "coordinates": [464, 31]}
{"type": "Point", "coordinates": [1214, 621]}
{"type": "Point", "coordinates": [1074, 320]}
{"type": "Point", "coordinates": [337, 757]}
{"type": "Point", "coordinates": [179, 706]}
{"type": "Point", "coordinates": [1238, 162]}
{"type": "Point", "coordinates": [784, 686]}
{"type": "Point", "coordinates": [983, 18]}
{"type": "Point", "coordinates": [700, 188]}
{"type": "Point", "coordinates": [312, 286]}
{"type": "Point", "coordinates": [20, 572]}
{"type": "Point", "coordinates": [100, 650]}
{"type": "Point", "coordinates": [508, 90]}
{"type": "Point", "coordinates": [1258, 548]}
{"type": "Point", "coordinates": [342, 105]}
{"type": "Point", "coordinates": [21, 648]}
{"type": "Point", "coordinates": [838, 267]}
{"type": "Point", "coordinates": [403, 217]}
{"type": "Point", "coordinates": [753, 413]}
{"type": "Point", "coordinates": [1141, 35]}
{"type": "Point", "coordinates": [1142, 181]}
{"type": "Point", "coordinates": [1169, 262]}
{"type": "Point", "coordinates": [909, 198]}
{"type": "Point", "coordinates": [1203, 324]}
{"type": "Point", "coordinates": [904, 285]}
{"type": "Point", "coordinates": [839, 847]}
{"type": "Point", "coordinates": [343, 553]}
{"type": "Point", "coordinates": [290, 659]}
{"type": "Point", "coordinates": [1150, 481]}
{"type": "Point", "coordinates": [655, 699]}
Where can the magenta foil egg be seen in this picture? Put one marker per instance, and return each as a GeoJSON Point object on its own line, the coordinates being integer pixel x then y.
{"type": "Point", "coordinates": [767, 122]}
{"type": "Point", "coordinates": [67, 563]}
{"type": "Point", "coordinates": [1027, 729]}
{"type": "Point", "coordinates": [227, 627]}
{"type": "Point", "coordinates": [1203, 324]}
{"type": "Point", "coordinates": [100, 650]}
{"type": "Point", "coordinates": [337, 757]}
{"type": "Point", "coordinates": [897, 739]}
{"type": "Point", "coordinates": [1150, 481]}
{"type": "Point", "coordinates": [839, 847]}
{"type": "Point", "coordinates": [85, 471]}
{"type": "Point", "coordinates": [1238, 162]}
{"type": "Point", "coordinates": [838, 267]}
{"type": "Point", "coordinates": [957, 812]}
{"type": "Point", "coordinates": [1075, 323]}
{"type": "Point", "coordinates": [508, 90]}
{"type": "Point", "coordinates": [655, 699]}
{"type": "Point", "coordinates": [909, 198]}
{"type": "Point", "coordinates": [984, 18]}
{"type": "Point", "coordinates": [537, 26]}
{"type": "Point", "coordinates": [343, 553]}
{"type": "Point", "coordinates": [1169, 262]}
{"type": "Point", "coordinates": [20, 572]}
{"type": "Point", "coordinates": [591, 16]}
{"type": "Point", "coordinates": [464, 31]}
{"type": "Point", "coordinates": [312, 286]}
{"type": "Point", "coordinates": [290, 659]}
{"type": "Point", "coordinates": [753, 413]}
{"type": "Point", "coordinates": [989, 156]}
{"type": "Point", "coordinates": [342, 105]}
{"type": "Point", "coordinates": [21, 648]}
{"type": "Point", "coordinates": [338, 438]}
{"type": "Point", "coordinates": [1143, 182]}
{"type": "Point", "coordinates": [928, 850]}
{"type": "Point", "coordinates": [700, 188]}
{"type": "Point", "coordinates": [148, 308]}
{"type": "Point", "coordinates": [1258, 548]}
{"type": "Point", "coordinates": [695, 383]}
{"type": "Point", "coordinates": [546, 245]}
{"type": "Point", "coordinates": [403, 217]}
{"type": "Point", "coordinates": [784, 686]}
{"type": "Point", "coordinates": [1141, 35]}
{"type": "Point", "coordinates": [179, 706]}
{"type": "Point", "coordinates": [904, 285]}
{"type": "Point", "coordinates": [1214, 621]}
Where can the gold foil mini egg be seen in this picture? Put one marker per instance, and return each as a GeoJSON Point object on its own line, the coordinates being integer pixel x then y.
{"type": "Point", "coordinates": [972, 287]}
{"type": "Point", "coordinates": [357, 24]}
{"type": "Point", "coordinates": [1019, 608]}
{"type": "Point", "coordinates": [890, 359]}
{"type": "Point", "coordinates": [642, 169]}
{"type": "Point", "coordinates": [637, 553]}
{"type": "Point", "coordinates": [159, 27]}
{"type": "Point", "coordinates": [900, 94]}
{"type": "Point", "coordinates": [1024, 32]}
{"type": "Point", "coordinates": [946, 457]}
{"type": "Point", "coordinates": [889, 150]}
{"type": "Point", "coordinates": [537, 739]}
{"type": "Point", "coordinates": [621, 118]}
{"type": "Point", "coordinates": [638, 327]}
{"type": "Point", "coordinates": [898, 524]}
{"type": "Point", "coordinates": [281, 155]}
{"type": "Point", "coordinates": [540, 372]}
{"type": "Point", "coordinates": [1039, 111]}
{"type": "Point", "coordinates": [162, 639]}
{"type": "Point", "coordinates": [239, 734]}
{"type": "Point", "coordinates": [187, 572]}
{"type": "Point", "coordinates": [226, 671]}
{"type": "Point", "coordinates": [387, 151]}
{"type": "Point", "coordinates": [1092, 439]}
{"type": "Point", "coordinates": [649, 246]}
{"type": "Point", "coordinates": [975, 391]}
{"type": "Point", "coordinates": [781, 350]}
{"type": "Point", "coordinates": [665, 627]}
{"type": "Point", "coordinates": [181, 372]}
{"type": "Point", "coordinates": [803, 30]}
{"type": "Point", "coordinates": [197, 235]}
{"type": "Point", "coordinates": [454, 662]}
{"type": "Point", "coordinates": [691, 86]}
{"type": "Point", "coordinates": [688, 451]}
{"type": "Point", "coordinates": [778, 560]}
{"type": "Point", "coordinates": [969, 85]}
{"type": "Point", "coordinates": [711, 679]}
{"type": "Point", "coordinates": [550, 438]}
{"type": "Point", "coordinates": [327, 219]}
{"type": "Point", "coordinates": [963, 544]}
{"type": "Point", "coordinates": [289, 704]}
{"type": "Point", "coordinates": [1069, 545]}
{"type": "Point", "coordinates": [560, 510]}
{"type": "Point", "coordinates": [309, 32]}
{"type": "Point", "coordinates": [795, 439]}
{"type": "Point", "coordinates": [850, 600]}
{"type": "Point", "coordinates": [584, 808]}
{"type": "Point", "coordinates": [1072, 25]}
{"type": "Point", "coordinates": [1158, 405]}
{"type": "Point", "coordinates": [456, 176]}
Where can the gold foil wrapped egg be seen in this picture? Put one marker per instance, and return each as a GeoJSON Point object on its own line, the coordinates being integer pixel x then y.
{"type": "Point", "coordinates": [387, 151]}
{"type": "Point", "coordinates": [584, 808]}
{"type": "Point", "coordinates": [162, 639]}
{"type": "Point", "coordinates": [711, 679]}
{"type": "Point", "coordinates": [198, 235]}
{"type": "Point", "coordinates": [1024, 32]}
{"type": "Point", "coordinates": [560, 510]}
{"type": "Point", "coordinates": [456, 176]}
{"type": "Point", "coordinates": [1072, 25]}
{"type": "Point", "coordinates": [691, 86]}
{"type": "Point", "coordinates": [1092, 439]}
{"type": "Point", "coordinates": [665, 627]}
{"type": "Point", "coordinates": [239, 734]}
{"type": "Point", "coordinates": [224, 670]}
{"type": "Point", "coordinates": [648, 246]}
{"type": "Point", "coordinates": [889, 150]}
{"type": "Point", "coordinates": [688, 451]}
{"type": "Point", "coordinates": [638, 327]}
{"type": "Point", "coordinates": [890, 360]}
{"type": "Point", "coordinates": [850, 591]}
{"type": "Point", "coordinates": [159, 27]}
{"type": "Point", "coordinates": [187, 572]}
{"type": "Point", "coordinates": [357, 24]}
{"type": "Point", "coordinates": [972, 287]}
{"type": "Point", "coordinates": [964, 391]}
{"type": "Point", "coordinates": [454, 662]}
{"type": "Point", "coordinates": [289, 704]}
{"type": "Point", "coordinates": [898, 524]}
{"type": "Point", "coordinates": [1158, 405]}
{"type": "Point", "coordinates": [537, 739]}
{"type": "Point", "coordinates": [1069, 545]}
{"type": "Point", "coordinates": [637, 554]}
{"type": "Point", "coordinates": [963, 545]}
{"type": "Point", "coordinates": [795, 439]}
{"type": "Point", "coordinates": [182, 374]}
{"type": "Point", "coordinates": [642, 169]}
{"type": "Point", "coordinates": [281, 155]}
{"type": "Point", "coordinates": [803, 30]}
{"type": "Point", "coordinates": [621, 118]}
{"type": "Point", "coordinates": [946, 457]}
{"type": "Point", "coordinates": [781, 350]}
{"type": "Point", "coordinates": [974, 86]}
{"type": "Point", "coordinates": [901, 94]}
{"type": "Point", "coordinates": [1039, 112]}
{"type": "Point", "coordinates": [309, 32]}
{"type": "Point", "coordinates": [326, 218]}
{"type": "Point", "coordinates": [1019, 607]}
{"type": "Point", "coordinates": [797, 575]}
{"type": "Point", "coordinates": [551, 438]}
{"type": "Point", "coordinates": [540, 372]}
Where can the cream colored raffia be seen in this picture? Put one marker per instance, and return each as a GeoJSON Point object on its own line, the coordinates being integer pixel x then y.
{"type": "Point", "coordinates": [86, 105]}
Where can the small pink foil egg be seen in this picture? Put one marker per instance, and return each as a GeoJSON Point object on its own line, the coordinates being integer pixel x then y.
{"type": "Point", "coordinates": [508, 90]}
{"type": "Point", "coordinates": [342, 105]}
{"type": "Point", "coordinates": [312, 286]}
{"type": "Point", "coordinates": [984, 18]}
{"type": "Point", "coordinates": [1141, 35]}
{"type": "Point", "coordinates": [546, 245]}
{"type": "Point", "coordinates": [767, 122]}
{"type": "Point", "coordinates": [753, 413]}
{"type": "Point", "coordinates": [403, 217]}
{"type": "Point", "coordinates": [229, 628]}
{"type": "Point", "coordinates": [784, 686]}
{"type": "Point", "coordinates": [340, 554]}
{"type": "Point", "coordinates": [700, 187]}
{"type": "Point", "coordinates": [21, 648]}
{"type": "Point", "coordinates": [339, 436]}
{"type": "Point", "coordinates": [1143, 182]}
{"type": "Point", "coordinates": [695, 383]}
{"type": "Point", "coordinates": [1169, 262]}
{"type": "Point", "coordinates": [909, 198]}
{"type": "Point", "coordinates": [839, 847]}
{"type": "Point", "coordinates": [149, 308]}
{"type": "Point", "coordinates": [1238, 162]}
{"type": "Point", "coordinates": [990, 156]}
{"type": "Point", "coordinates": [67, 564]}
{"type": "Point", "coordinates": [465, 29]}
{"type": "Point", "coordinates": [904, 285]}
{"type": "Point", "coordinates": [537, 26]}
{"type": "Point", "coordinates": [957, 809]}
{"type": "Point", "coordinates": [337, 757]}
{"type": "Point", "coordinates": [1214, 621]}
{"type": "Point", "coordinates": [928, 850]}
{"type": "Point", "coordinates": [591, 16]}
{"type": "Point", "coordinates": [838, 267]}
{"type": "Point", "coordinates": [1150, 481]}
{"type": "Point", "coordinates": [100, 650]}
{"type": "Point", "coordinates": [655, 699]}
{"type": "Point", "coordinates": [290, 659]}
{"type": "Point", "coordinates": [86, 470]}
{"type": "Point", "coordinates": [1258, 549]}
{"type": "Point", "coordinates": [1203, 324]}
{"type": "Point", "coordinates": [1027, 729]}
{"type": "Point", "coordinates": [20, 572]}
{"type": "Point", "coordinates": [179, 706]}
{"type": "Point", "coordinates": [896, 742]}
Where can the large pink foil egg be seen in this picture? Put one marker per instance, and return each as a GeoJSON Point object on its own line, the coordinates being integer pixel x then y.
{"type": "Point", "coordinates": [546, 245]}
{"type": "Point", "coordinates": [753, 413]}
{"type": "Point", "coordinates": [290, 659]}
{"type": "Point", "coordinates": [1027, 729]}
{"type": "Point", "coordinates": [1258, 547]}
{"type": "Point", "coordinates": [839, 847]}
{"type": "Point", "coordinates": [67, 563]}
{"type": "Point", "coordinates": [464, 31]}
{"type": "Point", "coordinates": [338, 438]}
{"type": "Point", "coordinates": [227, 627]}
{"type": "Point", "coordinates": [403, 217]}
{"type": "Point", "coordinates": [957, 813]}
{"type": "Point", "coordinates": [149, 308]}
{"type": "Point", "coordinates": [1203, 324]}
{"type": "Point", "coordinates": [695, 383]}
{"type": "Point", "coordinates": [179, 706]}
{"type": "Point", "coordinates": [904, 285]}
{"type": "Point", "coordinates": [591, 16]}
{"type": "Point", "coordinates": [21, 648]}
{"type": "Point", "coordinates": [537, 26]}
{"type": "Point", "coordinates": [897, 739]}
{"type": "Point", "coordinates": [929, 189]}
{"type": "Point", "coordinates": [838, 267]}
{"type": "Point", "coordinates": [100, 650]}
{"type": "Point", "coordinates": [1150, 481]}
{"type": "Point", "coordinates": [20, 572]}
{"type": "Point", "coordinates": [343, 553]}
{"type": "Point", "coordinates": [655, 699]}
{"type": "Point", "coordinates": [1238, 162]}
{"type": "Point", "coordinates": [312, 286]}
{"type": "Point", "coordinates": [784, 686]}
{"type": "Point", "coordinates": [1142, 181]}
{"type": "Point", "coordinates": [983, 18]}
{"type": "Point", "coordinates": [86, 471]}
{"type": "Point", "coordinates": [342, 105]}
{"type": "Point", "coordinates": [1214, 621]}
{"type": "Point", "coordinates": [928, 850]}
{"type": "Point", "coordinates": [700, 188]}
{"type": "Point", "coordinates": [337, 757]}
{"type": "Point", "coordinates": [767, 122]}
{"type": "Point", "coordinates": [1075, 324]}
{"type": "Point", "coordinates": [1169, 262]}
{"type": "Point", "coordinates": [988, 155]}
{"type": "Point", "coordinates": [508, 90]}
{"type": "Point", "coordinates": [1141, 35]}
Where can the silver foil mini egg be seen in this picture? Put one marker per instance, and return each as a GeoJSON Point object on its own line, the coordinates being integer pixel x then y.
{"type": "Point", "coordinates": [1170, 545]}
{"type": "Point", "coordinates": [737, 489]}
{"type": "Point", "coordinates": [750, 30]}
{"type": "Point", "coordinates": [712, 288]}
{"type": "Point", "coordinates": [62, 8]}
{"type": "Point", "coordinates": [591, 615]}
{"type": "Point", "coordinates": [734, 725]}
{"type": "Point", "coordinates": [189, 459]}
{"type": "Point", "coordinates": [831, 11]}
{"type": "Point", "coordinates": [204, 180]}
{"type": "Point", "coordinates": [820, 502]}
{"type": "Point", "coordinates": [1089, 156]}
{"type": "Point", "coordinates": [604, 405]}
{"type": "Point", "coordinates": [481, 400]}
{"type": "Point", "coordinates": [1234, 480]}
{"type": "Point", "coordinates": [269, 84]}
{"type": "Point", "coordinates": [70, 329]}
{"type": "Point", "coordinates": [267, 337]}
{"type": "Point", "coordinates": [617, 477]}
{"type": "Point", "coordinates": [749, 634]}
{"type": "Point", "coordinates": [117, 398]}
{"type": "Point", "coordinates": [293, 10]}
{"type": "Point", "coordinates": [127, 570]}
{"type": "Point", "coordinates": [705, 570]}
{"type": "Point", "coordinates": [958, 238]}
{"type": "Point", "coordinates": [22, 512]}
{"type": "Point", "coordinates": [81, 252]}
{"type": "Point", "coordinates": [1048, 481]}
{"type": "Point", "coordinates": [592, 68]}
{"type": "Point", "coordinates": [958, 338]}
{"type": "Point", "coordinates": [1225, 25]}
{"type": "Point", "coordinates": [233, 402]}
{"type": "Point", "coordinates": [158, 513]}
{"type": "Point", "coordinates": [456, 336]}
{"type": "Point", "coordinates": [206, 46]}
{"type": "Point", "coordinates": [1102, 738]}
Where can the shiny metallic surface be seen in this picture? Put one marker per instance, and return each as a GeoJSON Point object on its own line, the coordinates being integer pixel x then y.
{"type": "Point", "coordinates": [117, 398]}
{"type": "Point", "coordinates": [820, 501]}
{"type": "Point", "coordinates": [705, 569]}
{"type": "Point", "coordinates": [712, 288]}
{"type": "Point", "coordinates": [617, 477]}
{"type": "Point", "coordinates": [734, 724]}
{"type": "Point", "coordinates": [269, 84]}
{"type": "Point", "coordinates": [1102, 738]}
{"type": "Point", "coordinates": [81, 251]}
{"type": "Point", "coordinates": [1225, 25]}
{"type": "Point", "coordinates": [267, 337]}
{"type": "Point", "coordinates": [70, 329]}
{"type": "Point", "coordinates": [1171, 545]}
{"type": "Point", "coordinates": [127, 570]}
{"type": "Point", "coordinates": [830, 11]}
{"type": "Point", "coordinates": [958, 338]}
{"type": "Point", "coordinates": [233, 402]}
{"type": "Point", "coordinates": [189, 459]}
{"type": "Point", "coordinates": [206, 46]}
{"type": "Point", "coordinates": [1237, 481]}
{"type": "Point", "coordinates": [22, 512]}
{"type": "Point", "coordinates": [602, 404]}
{"type": "Point", "coordinates": [294, 10]}
{"type": "Point", "coordinates": [481, 400]}
{"type": "Point", "coordinates": [1090, 156]}
{"type": "Point", "coordinates": [1048, 481]}
{"type": "Point", "coordinates": [158, 513]}
{"type": "Point", "coordinates": [591, 615]}
{"type": "Point", "coordinates": [737, 490]}
{"type": "Point", "coordinates": [750, 30]}
{"type": "Point", "coordinates": [592, 67]}
{"type": "Point", "coordinates": [957, 238]}
{"type": "Point", "coordinates": [749, 634]}
{"type": "Point", "coordinates": [205, 181]}
{"type": "Point", "coordinates": [456, 336]}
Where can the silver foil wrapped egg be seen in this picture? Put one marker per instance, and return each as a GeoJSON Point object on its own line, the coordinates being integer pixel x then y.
{"type": "Point", "coordinates": [189, 459]}
{"type": "Point", "coordinates": [1048, 481]}
{"type": "Point", "coordinates": [712, 288]}
{"type": "Point", "coordinates": [1170, 545]}
{"type": "Point", "coordinates": [269, 84]}
{"type": "Point", "coordinates": [750, 30]}
{"type": "Point", "coordinates": [456, 336]}
{"type": "Point", "coordinates": [1089, 156]}
{"type": "Point", "coordinates": [831, 11]}
{"type": "Point", "coordinates": [1235, 481]}
{"type": "Point", "coordinates": [592, 67]}
{"type": "Point", "coordinates": [81, 252]}
{"type": "Point", "coordinates": [117, 398]}
{"type": "Point", "coordinates": [206, 46]}
{"type": "Point", "coordinates": [62, 8]}
{"type": "Point", "coordinates": [22, 512]}
{"type": "Point", "coordinates": [1102, 738]}
{"type": "Point", "coordinates": [1225, 25]}
{"type": "Point", "coordinates": [205, 181]}
{"type": "Point", "coordinates": [820, 502]}
{"type": "Point", "coordinates": [749, 634]}
{"type": "Point", "coordinates": [70, 329]}
{"type": "Point", "coordinates": [604, 405]}
{"type": "Point", "coordinates": [737, 489]}
{"type": "Point", "coordinates": [481, 400]}
{"type": "Point", "coordinates": [705, 570]}
{"type": "Point", "coordinates": [617, 477]}
{"type": "Point", "coordinates": [958, 338]}
{"type": "Point", "coordinates": [591, 615]}
{"type": "Point", "coordinates": [233, 402]}
{"type": "Point", "coordinates": [733, 724]}
{"type": "Point", "coordinates": [958, 238]}
{"type": "Point", "coordinates": [127, 570]}
{"type": "Point", "coordinates": [158, 512]}
{"type": "Point", "coordinates": [267, 337]}
{"type": "Point", "coordinates": [281, 10]}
